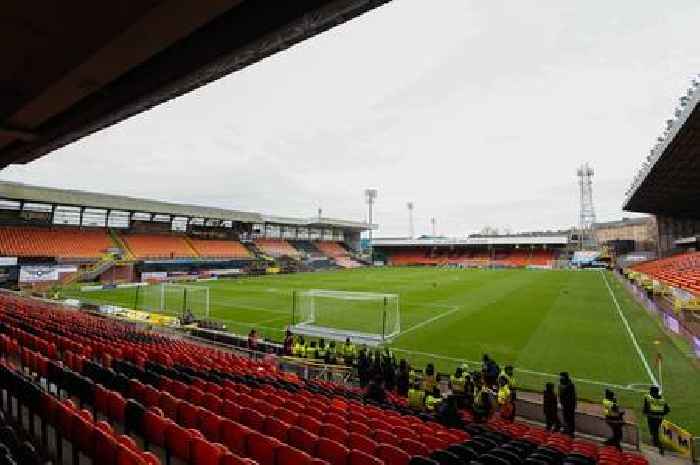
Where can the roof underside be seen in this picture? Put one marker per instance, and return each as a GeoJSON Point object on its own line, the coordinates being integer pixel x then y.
{"type": "Point", "coordinates": [72, 68]}
{"type": "Point", "coordinates": [672, 185]}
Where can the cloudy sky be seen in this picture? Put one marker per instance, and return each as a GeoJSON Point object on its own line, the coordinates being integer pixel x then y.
{"type": "Point", "coordinates": [477, 111]}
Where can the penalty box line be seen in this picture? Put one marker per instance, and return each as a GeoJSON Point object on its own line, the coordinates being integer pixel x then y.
{"type": "Point", "coordinates": [632, 337]}
{"type": "Point", "coordinates": [628, 387]}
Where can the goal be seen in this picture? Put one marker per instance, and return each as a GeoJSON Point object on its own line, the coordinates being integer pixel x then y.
{"type": "Point", "coordinates": [365, 317]}
{"type": "Point", "coordinates": [174, 299]}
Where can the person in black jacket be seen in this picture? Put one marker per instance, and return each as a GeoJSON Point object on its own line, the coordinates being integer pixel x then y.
{"type": "Point", "coordinates": [363, 369]}
{"type": "Point", "coordinates": [551, 409]}
{"type": "Point", "coordinates": [448, 413]}
{"type": "Point", "coordinates": [402, 378]}
{"type": "Point", "coordinates": [567, 399]}
{"type": "Point", "coordinates": [375, 390]}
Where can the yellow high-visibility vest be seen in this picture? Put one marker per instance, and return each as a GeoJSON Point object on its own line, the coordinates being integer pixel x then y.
{"type": "Point", "coordinates": [608, 407]}
{"type": "Point", "coordinates": [656, 406]}
{"type": "Point", "coordinates": [415, 398]}
{"type": "Point", "coordinates": [503, 394]}
{"type": "Point", "coordinates": [458, 384]}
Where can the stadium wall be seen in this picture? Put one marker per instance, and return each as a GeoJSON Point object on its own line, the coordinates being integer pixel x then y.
{"type": "Point", "coordinates": [671, 229]}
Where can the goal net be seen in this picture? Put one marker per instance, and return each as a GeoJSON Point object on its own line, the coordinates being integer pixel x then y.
{"type": "Point", "coordinates": [174, 299]}
{"type": "Point", "coordinates": [366, 317]}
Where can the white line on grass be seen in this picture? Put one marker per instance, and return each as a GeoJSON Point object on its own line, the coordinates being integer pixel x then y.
{"type": "Point", "coordinates": [628, 387]}
{"type": "Point", "coordinates": [629, 332]}
{"type": "Point", "coordinates": [429, 320]}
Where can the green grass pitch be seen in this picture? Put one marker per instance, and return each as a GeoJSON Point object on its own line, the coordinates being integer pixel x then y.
{"type": "Point", "coordinates": [542, 322]}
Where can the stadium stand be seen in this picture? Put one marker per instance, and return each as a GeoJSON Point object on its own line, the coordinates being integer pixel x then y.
{"type": "Point", "coordinates": [68, 243]}
{"type": "Point", "coordinates": [679, 270]}
{"type": "Point", "coordinates": [157, 246]}
{"type": "Point", "coordinates": [219, 249]}
{"type": "Point", "coordinates": [134, 397]}
{"type": "Point", "coordinates": [276, 247]}
{"type": "Point", "coordinates": [466, 257]}
{"type": "Point", "coordinates": [338, 253]}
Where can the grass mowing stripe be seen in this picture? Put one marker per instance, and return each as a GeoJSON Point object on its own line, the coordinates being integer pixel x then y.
{"type": "Point", "coordinates": [629, 331]}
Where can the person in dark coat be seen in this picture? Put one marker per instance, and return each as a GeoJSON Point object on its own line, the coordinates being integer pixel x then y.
{"type": "Point", "coordinates": [551, 409]}
{"type": "Point", "coordinates": [363, 369]}
{"type": "Point", "coordinates": [375, 390]}
{"type": "Point", "coordinates": [402, 378]}
{"type": "Point", "coordinates": [448, 413]}
{"type": "Point", "coordinates": [567, 399]}
{"type": "Point", "coordinates": [288, 342]}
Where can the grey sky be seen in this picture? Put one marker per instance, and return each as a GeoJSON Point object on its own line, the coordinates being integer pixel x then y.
{"type": "Point", "coordinates": [477, 111]}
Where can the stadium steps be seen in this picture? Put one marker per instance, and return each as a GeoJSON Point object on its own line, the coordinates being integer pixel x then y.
{"type": "Point", "coordinates": [188, 241]}
{"type": "Point", "coordinates": [126, 251]}
{"type": "Point", "coordinates": [97, 269]}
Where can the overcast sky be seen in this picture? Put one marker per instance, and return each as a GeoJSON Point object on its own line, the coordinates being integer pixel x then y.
{"type": "Point", "coordinates": [477, 111]}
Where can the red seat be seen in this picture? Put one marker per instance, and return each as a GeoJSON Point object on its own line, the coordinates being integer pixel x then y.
{"type": "Point", "coordinates": [361, 442]}
{"type": "Point", "coordinates": [232, 459]}
{"type": "Point", "coordinates": [205, 452]}
{"type": "Point", "coordinates": [101, 399]}
{"type": "Point", "coordinates": [261, 448]}
{"type": "Point", "coordinates": [126, 456]}
{"type": "Point", "coordinates": [433, 442]}
{"type": "Point", "coordinates": [187, 415]}
{"type": "Point", "coordinates": [209, 424]}
{"type": "Point", "coordinates": [276, 428]}
{"type": "Point", "coordinates": [413, 447]}
{"type": "Point", "coordinates": [169, 405]}
{"type": "Point", "coordinates": [335, 419]}
{"type": "Point", "coordinates": [333, 432]}
{"type": "Point", "coordinates": [405, 433]}
{"type": "Point", "coordinates": [357, 427]}
{"type": "Point", "coordinates": [301, 439]}
{"type": "Point", "coordinates": [154, 427]}
{"type": "Point", "coordinates": [194, 395]}
{"type": "Point", "coordinates": [212, 402]}
{"type": "Point", "coordinates": [252, 419]}
{"type": "Point", "coordinates": [83, 435]}
{"type": "Point", "coordinates": [150, 458]}
{"type": "Point", "coordinates": [309, 424]}
{"type": "Point", "coordinates": [384, 437]}
{"type": "Point", "coordinates": [231, 410]}
{"type": "Point", "coordinates": [392, 455]}
{"type": "Point", "coordinates": [334, 452]}
{"type": "Point", "coordinates": [105, 452]}
{"type": "Point", "coordinates": [287, 416]}
{"type": "Point", "coordinates": [117, 406]}
{"type": "Point", "coordinates": [150, 396]}
{"type": "Point", "coordinates": [177, 441]}
{"type": "Point", "coordinates": [233, 435]}
{"type": "Point", "coordinates": [358, 457]}
{"type": "Point", "coordinates": [290, 456]}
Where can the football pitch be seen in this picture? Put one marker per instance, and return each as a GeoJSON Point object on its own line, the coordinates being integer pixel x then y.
{"type": "Point", "coordinates": [541, 321]}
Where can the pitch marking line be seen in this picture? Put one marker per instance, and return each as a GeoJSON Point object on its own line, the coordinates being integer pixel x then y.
{"type": "Point", "coordinates": [628, 387]}
{"type": "Point", "coordinates": [429, 320]}
{"type": "Point", "coordinates": [629, 332]}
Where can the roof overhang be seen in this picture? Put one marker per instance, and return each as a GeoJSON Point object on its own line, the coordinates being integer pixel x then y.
{"type": "Point", "coordinates": [670, 184]}
{"type": "Point", "coordinates": [72, 68]}
{"type": "Point", "coordinates": [317, 222]}
{"type": "Point", "coordinates": [77, 198]}
{"type": "Point", "coordinates": [473, 241]}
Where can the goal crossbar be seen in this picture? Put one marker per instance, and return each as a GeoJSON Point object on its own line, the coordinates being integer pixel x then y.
{"type": "Point", "coordinates": [365, 317]}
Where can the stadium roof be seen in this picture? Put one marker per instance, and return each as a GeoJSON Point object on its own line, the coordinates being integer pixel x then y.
{"type": "Point", "coordinates": [73, 68]}
{"type": "Point", "coordinates": [671, 184]}
{"type": "Point", "coordinates": [319, 222]}
{"type": "Point", "coordinates": [476, 241]}
{"type": "Point", "coordinates": [49, 195]}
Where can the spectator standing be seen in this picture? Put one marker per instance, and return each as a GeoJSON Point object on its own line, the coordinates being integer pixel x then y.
{"type": "Point", "coordinates": [551, 409]}
{"type": "Point", "coordinates": [402, 378]}
{"type": "Point", "coordinates": [288, 342]}
{"type": "Point", "coordinates": [568, 400]}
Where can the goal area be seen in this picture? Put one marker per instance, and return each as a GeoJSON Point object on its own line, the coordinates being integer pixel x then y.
{"type": "Point", "coordinates": [365, 317]}
{"type": "Point", "coordinates": [174, 299]}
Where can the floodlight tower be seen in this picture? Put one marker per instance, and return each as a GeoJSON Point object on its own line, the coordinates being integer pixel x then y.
{"type": "Point", "coordinates": [432, 225]}
{"type": "Point", "coordinates": [370, 197]}
{"type": "Point", "coordinates": [586, 210]}
{"type": "Point", "coordinates": [410, 220]}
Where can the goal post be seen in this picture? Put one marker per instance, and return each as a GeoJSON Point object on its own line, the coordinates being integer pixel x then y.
{"type": "Point", "coordinates": [366, 317]}
{"type": "Point", "coordinates": [174, 299]}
